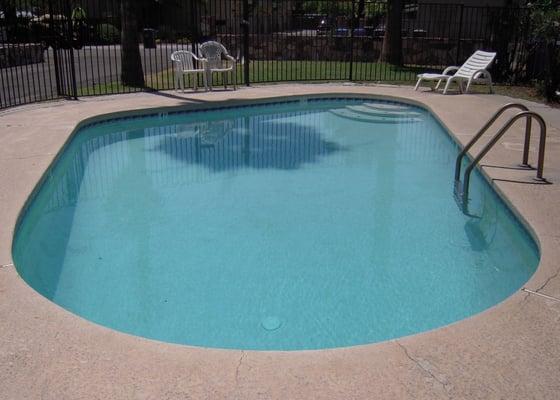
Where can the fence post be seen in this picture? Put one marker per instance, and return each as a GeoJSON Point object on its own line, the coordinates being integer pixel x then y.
{"type": "Point", "coordinates": [74, 94]}
{"type": "Point", "coordinates": [459, 34]}
{"type": "Point", "coordinates": [352, 26]}
{"type": "Point", "coordinates": [55, 44]}
{"type": "Point", "coordinates": [245, 26]}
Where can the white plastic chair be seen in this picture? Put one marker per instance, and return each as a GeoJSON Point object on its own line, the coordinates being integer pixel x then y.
{"type": "Point", "coordinates": [218, 60]}
{"type": "Point", "coordinates": [474, 70]}
{"type": "Point", "coordinates": [184, 64]}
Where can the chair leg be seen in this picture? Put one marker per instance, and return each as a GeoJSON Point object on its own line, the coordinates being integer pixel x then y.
{"type": "Point", "coordinates": [234, 72]}
{"type": "Point", "coordinates": [182, 83]}
{"type": "Point", "coordinates": [468, 85]}
{"type": "Point", "coordinates": [437, 85]}
{"type": "Point", "coordinates": [195, 82]}
{"type": "Point", "coordinates": [224, 78]}
{"type": "Point", "coordinates": [205, 79]}
{"type": "Point", "coordinates": [418, 84]}
{"type": "Point", "coordinates": [447, 85]}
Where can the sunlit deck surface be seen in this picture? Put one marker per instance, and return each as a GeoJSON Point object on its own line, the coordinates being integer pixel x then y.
{"type": "Point", "coordinates": [511, 351]}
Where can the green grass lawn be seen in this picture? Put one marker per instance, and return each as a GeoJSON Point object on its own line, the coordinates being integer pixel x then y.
{"type": "Point", "coordinates": [277, 71]}
{"type": "Point", "coordinates": [309, 71]}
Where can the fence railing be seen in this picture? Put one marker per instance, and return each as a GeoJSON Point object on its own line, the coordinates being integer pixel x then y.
{"type": "Point", "coordinates": [60, 48]}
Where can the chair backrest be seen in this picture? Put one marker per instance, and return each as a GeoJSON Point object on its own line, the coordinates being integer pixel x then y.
{"type": "Point", "coordinates": [213, 52]}
{"type": "Point", "coordinates": [479, 60]}
{"type": "Point", "coordinates": [183, 60]}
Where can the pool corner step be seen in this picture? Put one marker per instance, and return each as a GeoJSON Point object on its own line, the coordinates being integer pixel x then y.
{"type": "Point", "coordinates": [374, 119]}
{"type": "Point", "coordinates": [364, 109]}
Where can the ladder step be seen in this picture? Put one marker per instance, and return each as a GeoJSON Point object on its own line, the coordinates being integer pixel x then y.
{"type": "Point", "coordinates": [458, 193]}
{"type": "Point", "coordinates": [461, 189]}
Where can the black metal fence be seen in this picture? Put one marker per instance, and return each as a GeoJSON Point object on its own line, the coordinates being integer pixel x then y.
{"type": "Point", "coordinates": [61, 48]}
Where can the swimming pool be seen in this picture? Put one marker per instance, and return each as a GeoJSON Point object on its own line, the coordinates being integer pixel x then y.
{"type": "Point", "coordinates": [296, 225]}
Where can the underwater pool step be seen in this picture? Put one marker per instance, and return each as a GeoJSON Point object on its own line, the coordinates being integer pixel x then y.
{"type": "Point", "coordinates": [386, 107]}
{"type": "Point", "coordinates": [363, 109]}
{"type": "Point", "coordinates": [374, 119]}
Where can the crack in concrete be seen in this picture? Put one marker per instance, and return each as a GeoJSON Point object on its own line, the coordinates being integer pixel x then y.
{"type": "Point", "coordinates": [527, 295]}
{"type": "Point", "coordinates": [529, 292]}
{"type": "Point", "coordinates": [442, 383]}
{"type": "Point", "coordinates": [239, 366]}
{"type": "Point", "coordinates": [548, 281]}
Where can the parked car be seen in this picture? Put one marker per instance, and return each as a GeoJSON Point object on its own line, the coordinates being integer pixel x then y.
{"type": "Point", "coordinates": [324, 27]}
{"type": "Point", "coordinates": [380, 31]}
{"type": "Point", "coordinates": [357, 32]}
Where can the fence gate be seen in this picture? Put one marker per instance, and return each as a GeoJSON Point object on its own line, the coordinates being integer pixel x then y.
{"type": "Point", "coordinates": [62, 39]}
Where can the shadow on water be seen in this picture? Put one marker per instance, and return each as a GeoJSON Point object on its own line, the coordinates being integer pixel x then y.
{"type": "Point", "coordinates": [480, 229]}
{"type": "Point", "coordinates": [254, 142]}
{"type": "Point", "coordinates": [247, 142]}
{"type": "Point", "coordinates": [475, 235]}
{"type": "Point", "coordinates": [46, 228]}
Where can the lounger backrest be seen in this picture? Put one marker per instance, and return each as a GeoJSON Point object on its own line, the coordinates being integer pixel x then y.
{"type": "Point", "coordinates": [479, 60]}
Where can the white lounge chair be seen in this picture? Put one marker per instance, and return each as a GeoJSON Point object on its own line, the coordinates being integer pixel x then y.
{"type": "Point", "coordinates": [184, 64]}
{"type": "Point", "coordinates": [218, 60]}
{"type": "Point", "coordinates": [474, 70]}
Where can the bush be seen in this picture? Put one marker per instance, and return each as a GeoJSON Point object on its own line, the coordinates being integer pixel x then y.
{"type": "Point", "coordinates": [166, 33]}
{"type": "Point", "coordinates": [107, 34]}
{"type": "Point", "coordinates": [545, 18]}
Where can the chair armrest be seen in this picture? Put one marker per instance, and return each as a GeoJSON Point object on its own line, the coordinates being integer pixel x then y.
{"type": "Point", "coordinates": [198, 58]}
{"type": "Point", "coordinates": [450, 69]}
{"type": "Point", "coordinates": [176, 64]}
{"type": "Point", "coordinates": [203, 62]}
{"type": "Point", "coordinates": [231, 59]}
{"type": "Point", "coordinates": [481, 72]}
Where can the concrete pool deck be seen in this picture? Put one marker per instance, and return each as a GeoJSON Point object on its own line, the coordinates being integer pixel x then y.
{"type": "Point", "coordinates": [511, 351]}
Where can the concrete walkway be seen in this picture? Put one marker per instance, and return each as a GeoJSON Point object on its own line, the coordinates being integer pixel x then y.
{"type": "Point", "coordinates": [511, 351]}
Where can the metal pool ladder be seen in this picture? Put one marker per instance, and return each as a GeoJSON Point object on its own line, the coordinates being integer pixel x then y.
{"type": "Point", "coordinates": [461, 189]}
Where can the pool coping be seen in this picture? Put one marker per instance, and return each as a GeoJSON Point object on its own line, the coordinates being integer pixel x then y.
{"type": "Point", "coordinates": [495, 354]}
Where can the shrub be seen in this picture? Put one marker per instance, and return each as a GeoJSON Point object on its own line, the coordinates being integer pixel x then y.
{"type": "Point", "coordinates": [545, 18]}
{"type": "Point", "coordinates": [107, 34]}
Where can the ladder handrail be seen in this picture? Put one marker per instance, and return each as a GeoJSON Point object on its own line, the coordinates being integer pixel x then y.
{"type": "Point", "coordinates": [485, 128]}
{"type": "Point", "coordinates": [524, 114]}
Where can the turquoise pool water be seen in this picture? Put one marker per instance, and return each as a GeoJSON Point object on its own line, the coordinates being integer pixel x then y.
{"type": "Point", "coordinates": [296, 225]}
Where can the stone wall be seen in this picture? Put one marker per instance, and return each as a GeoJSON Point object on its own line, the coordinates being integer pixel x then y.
{"type": "Point", "coordinates": [416, 51]}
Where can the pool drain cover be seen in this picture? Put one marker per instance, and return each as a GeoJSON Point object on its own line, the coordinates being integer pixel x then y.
{"type": "Point", "coordinates": [271, 323]}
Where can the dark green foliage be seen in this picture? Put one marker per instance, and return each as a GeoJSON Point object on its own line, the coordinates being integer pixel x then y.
{"type": "Point", "coordinates": [107, 34]}
{"type": "Point", "coordinates": [545, 22]}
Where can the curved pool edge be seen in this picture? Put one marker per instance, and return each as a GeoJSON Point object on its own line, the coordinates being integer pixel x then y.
{"type": "Point", "coordinates": [139, 114]}
{"type": "Point", "coordinates": [233, 103]}
{"type": "Point", "coordinates": [73, 324]}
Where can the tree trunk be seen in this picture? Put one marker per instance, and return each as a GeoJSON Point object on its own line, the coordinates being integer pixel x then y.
{"type": "Point", "coordinates": [360, 13]}
{"type": "Point", "coordinates": [131, 63]}
{"type": "Point", "coordinates": [551, 72]}
{"type": "Point", "coordinates": [391, 51]}
{"type": "Point", "coordinates": [10, 20]}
